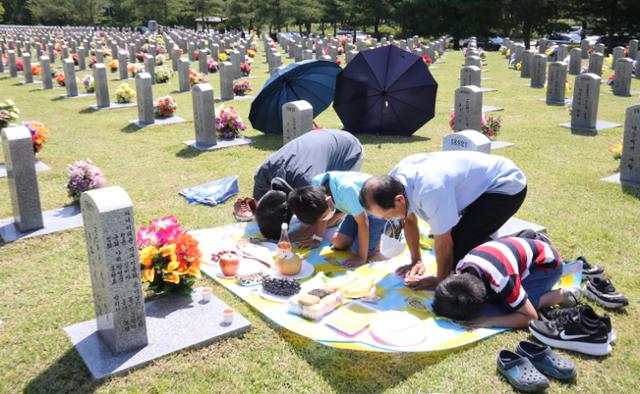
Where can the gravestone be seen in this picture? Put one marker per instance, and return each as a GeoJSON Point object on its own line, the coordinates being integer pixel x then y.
{"type": "Point", "coordinates": [114, 268]}
{"type": "Point", "coordinates": [183, 75]}
{"type": "Point", "coordinates": [65, 52]}
{"type": "Point", "coordinates": [150, 66]}
{"type": "Point", "coordinates": [307, 54]}
{"type": "Point", "coordinates": [13, 68]}
{"type": "Point", "coordinates": [595, 64]}
{"type": "Point", "coordinates": [525, 65]}
{"type": "Point", "coordinates": [204, 115]}
{"type": "Point", "coordinates": [28, 74]}
{"type": "Point", "coordinates": [226, 81]}
{"type": "Point", "coordinates": [175, 57]}
{"type": "Point", "coordinates": [191, 48]}
{"type": "Point", "coordinates": [132, 53]}
{"type": "Point", "coordinates": [519, 52]}
{"type": "Point", "coordinates": [297, 53]}
{"type": "Point", "coordinates": [473, 61]}
{"type": "Point", "coordinates": [297, 119]}
{"type": "Point", "coordinates": [630, 162]}
{"type": "Point", "coordinates": [236, 59]}
{"type": "Point", "coordinates": [102, 85]}
{"type": "Point", "coordinates": [600, 49]}
{"type": "Point", "coordinates": [17, 147]}
{"type": "Point", "coordinates": [144, 98]}
{"type": "Point", "coordinates": [556, 83]}
{"type": "Point", "coordinates": [99, 56]}
{"type": "Point", "coordinates": [70, 78]}
{"type": "Point", "coordinates": [538, 68]}
{"type": "Point", "coordinates": [277, 62]}
{"type": "Point", "coordinates": [584, 48]}
{"type": "Point", "coordinates": [584, 112]}
{"type": "Point", "coordinates": [122, 66]}
{"type": "Point", "coordinates": [468, 108]}
{"type": "Point", "coordinates": [623, 68]}
{"type": "Point", "coordinates": [575, 61]}
{"type": "Point", "coordinates": [470, 75]}
{"type": "Point", "coordinates": [561, 54]}
{"type": "Point", "coordinates": [618, 53]}
{"type": "Point", "coordinates": [82, 58]}
{"type": "Point", "coordinates": [469, 140]}
{"type": "Point", "coordinates": [45, 64]}
{"type": "Point", "coordinates": [633, 49]}
{"type": "Point", "coordinates": [1, 62]}
{"type": "Point", "coordinates": [202, 62]}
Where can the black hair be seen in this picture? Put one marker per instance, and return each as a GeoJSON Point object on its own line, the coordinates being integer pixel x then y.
{"type": "Point", "coordinates": [271, 212]}
{"type": "Point", "coordinates": [381, 190]}
{"type": "Point", "coordinates": [459, 297]}
{"type": "Point", "coordinates": [308, 203]}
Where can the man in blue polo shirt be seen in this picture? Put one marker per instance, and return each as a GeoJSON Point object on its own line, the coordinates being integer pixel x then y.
{"type": "Point", "coordinates": [464, 196]}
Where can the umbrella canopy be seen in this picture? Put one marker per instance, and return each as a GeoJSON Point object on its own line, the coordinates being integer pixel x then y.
{"type": "Point", "coordinates": [310, 80]}
{"type": "Point", "coordinates": [385, 91]}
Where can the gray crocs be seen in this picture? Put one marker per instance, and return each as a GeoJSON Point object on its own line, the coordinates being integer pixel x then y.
{"type": "Point", "coordinates": [520, 372]}
{"type": "Point", "coordinates": [547, 361]}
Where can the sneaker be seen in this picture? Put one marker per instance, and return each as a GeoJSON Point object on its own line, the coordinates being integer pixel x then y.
{"type": "Point", "coordinates": [588, 269]}
{"type": "Point", "coordinates": [572, 333]}
{"type": "Point", "coordinates": [586, 311]}
{"type": "Point", "coordinates": [519, 371]}
{"type": "Point", "coordinates": [547, 361]}
{"type": "Point", "coordinates": [571, 297]}
{"type": "Point", "coordinates": [243, 209]}
{"type": "Point", "coordinates": [532, 234]}
{"type": "Point", "coordinates": [601, 290]}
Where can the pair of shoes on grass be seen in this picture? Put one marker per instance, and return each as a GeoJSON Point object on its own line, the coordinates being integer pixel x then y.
{"type": "Point", "coordinates": [577, 328]}
{"type": "Point", "coordinates": [599, 288]}
{"type": "Point", "coordinates": [244, 208]}
{"type": "Point", "coordinates": [527, 368]}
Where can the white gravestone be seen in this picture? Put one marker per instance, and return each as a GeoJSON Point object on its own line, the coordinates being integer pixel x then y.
{"type": "Point", "coordinates": [525, 65]}
{"type": "Point", "coordinates": [226, 81]}
{"type": "Point", "coordinates": [595, 64]}
{"type": "Point", "coordinates": [469, 140]}
{"type": "Point", "coordinates": [183, 75]}
{"type": "Point", "coordinates": [297, 119]}
{"type": "Point", "coordinates": [556, 83]}
{"type": "Point", "coordinates": [575, 61]}
{"type": "Point", "coordinates": [70, 78]}
{"type": "Point", "coordinates": [47, 81]}
{"type": "Point", "coordinates": [144, 98]}
{"type": "Point", "coordinates": [468, 108]}
{"type": "Point", "coordinates": [204, 115]}
{"type": "Point", "coordinates": [470, 75]}
{"type": "Point", "coordinates": [102, 85]}
{"type": "Point", "coordinates": [623, 68]}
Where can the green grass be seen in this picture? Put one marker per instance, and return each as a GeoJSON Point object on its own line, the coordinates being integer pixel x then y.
{"type": "Point", "coordinates": [45, 283]}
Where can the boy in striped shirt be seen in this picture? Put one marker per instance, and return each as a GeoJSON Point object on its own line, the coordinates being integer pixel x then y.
{"type": "Point", "coordinates": [502, 283]}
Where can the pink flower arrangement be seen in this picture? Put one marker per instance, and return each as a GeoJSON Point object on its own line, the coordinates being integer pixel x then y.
{"type": "Point", "coordinates": [489, 126]}
{"type": "Point", "coordinates": [228, 124]}
{"type": "Point", "coordinates": [84, 176]}
{"type": "Point", "coordinates": [245, 68]}
{"type": "Point", "coordinates": [241, 88]}
{"type": "Point", "coordinates": [161, 231]}
{"type": "Point", "coordinates": [427, 59]}
{"type": "Point", "coordinates": [19, 65]}
{"type": "Point", "coordinates": [166, 106]}
{"type": "Point", "coordinates": [213, 66]}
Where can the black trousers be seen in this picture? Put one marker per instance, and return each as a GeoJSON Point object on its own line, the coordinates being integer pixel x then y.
{"type": "Point", "coordinates": [482, 218]}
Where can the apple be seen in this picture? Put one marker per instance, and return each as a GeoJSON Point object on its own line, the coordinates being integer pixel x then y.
{"type": "Point", "coordinates": [229, 263]}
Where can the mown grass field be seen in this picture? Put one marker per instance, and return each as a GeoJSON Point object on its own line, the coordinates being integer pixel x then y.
{"type": "Point", "coordinates": [45, 282]}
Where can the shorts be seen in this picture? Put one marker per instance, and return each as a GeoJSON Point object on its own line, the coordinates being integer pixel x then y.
{"type": "Point", "coordinates": [349, 227]}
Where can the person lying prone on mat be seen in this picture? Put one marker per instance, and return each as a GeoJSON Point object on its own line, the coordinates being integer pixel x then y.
{"type": "Point", "coordinates": [464, 196]}
{"type": "Point", "coordinates": [294, 166]}
{"type": "Point", "coordinates": [502, 283]}
{"type": "Point", "coordinates": [334, 192]}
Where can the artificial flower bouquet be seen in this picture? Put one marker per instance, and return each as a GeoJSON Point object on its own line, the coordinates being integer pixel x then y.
{"type": "Point", "coordinates": [113, 65]}
{"type": "Point", "coordinates": [213, 66]}
{"type": "Point", "coordinates": [616, 151]}
{"type": "Point", "coordinates": [89, 84]}
{"type": "Point", "coordinates": [165, 106]}
{"type": "Point", "coordinates": [196, 77]}
{"type": "Point", "coordinates": [222, 57]}
{"type": "Point", "coordinates": [245, 67]}
{"type": "Point", "coordinates": [9, 113]}
{"type": "Point", "coordinates": [489, 126]}
{"type": "Point", "coordinates": [160, 59]}
{"type": "Point", "coordinates": [39, 135]}
{"type": "Point", "coordinates": [169, 257]}
{"type": "Point", "coordinates": [83, 176]}
{"type": "Point", "coordinates": [163, 74]}
{"type": "Point", "coordinates": [228, 124]}
{"type": "Point", "coordinates": [59, 77]}
{"type": "Point", "coordinates": [135, 69]}
{"type": "Point", "coordinates": [251, 53]}
{"type": "Point", "coordinates": [124, 94]}
{"type": "Point", "coordinates": [241, 88]}
{"type": "Point", "coordinates": [36, 69]}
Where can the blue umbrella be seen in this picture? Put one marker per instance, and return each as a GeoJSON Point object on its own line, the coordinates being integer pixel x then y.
{"type": "Point", "coordinates": [385, 91]}
{"type": "Point", "coordinates": [310, 80]}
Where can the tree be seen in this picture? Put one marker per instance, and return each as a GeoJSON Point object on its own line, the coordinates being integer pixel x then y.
{"type": "Point", "coordinates": [1, 12]}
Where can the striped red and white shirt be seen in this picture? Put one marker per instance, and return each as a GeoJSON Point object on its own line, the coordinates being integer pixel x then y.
{"type": "Point", "coordinates": [505, 262]}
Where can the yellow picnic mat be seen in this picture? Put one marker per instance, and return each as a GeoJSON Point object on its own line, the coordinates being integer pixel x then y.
{"type": "Point", "coordinates": [440, 334]}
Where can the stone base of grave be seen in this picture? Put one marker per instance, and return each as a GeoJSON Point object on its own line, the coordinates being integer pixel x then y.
{"type": "Point", "coordinates": [220, 145]}
{"type": "Point", "coordinates": [113, 106]}
{"type": "Point", "coordinates": [29, 83]}
{"type": "Point", "coordinates": [64, 96]}
{"type": "Point", "coordinates": [173, 323]}
{"type": "Point", "coordinates": [55, 220]}
{"type": "Point", "coordinates": [236, 98]}
{"type": "Point", "coordinates": [158, 122]}
{"type": "Point", "coordinates": [500, 144]}
{"type": "Point", "coordinates": [600, 125]}
{"type": "Point", "coordinates": [632, 93]}
{"type": "Point", "coordinates": [489, 108]}
{"type": "Point", "coordinates": [485, 78]}
{"type": "Point", "coordinates": [488, 90]}
{"type": "Point", "coordinates": [40, 166]}
{"type": "Point", "coordinates": [249, 77]}
{"type": "Point", "coordinates": [615, 178]}
{"type": "Point", "coordinates": [566, 101]}
{"type": "Point", "coordinates": [514, 225]}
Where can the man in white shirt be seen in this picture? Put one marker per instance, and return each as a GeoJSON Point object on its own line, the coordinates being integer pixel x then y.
{"type": "Point", "coordinates": [464, 196]}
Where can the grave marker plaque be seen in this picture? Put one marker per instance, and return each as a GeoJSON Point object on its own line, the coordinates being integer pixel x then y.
{"type": "Point", "coordinates": [469, 140]}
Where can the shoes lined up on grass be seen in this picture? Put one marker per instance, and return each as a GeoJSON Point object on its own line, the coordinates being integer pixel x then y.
{"type": "Point", "coordinates": [528, 368]}
{"type": "Point", "coordinates": [599, 288]}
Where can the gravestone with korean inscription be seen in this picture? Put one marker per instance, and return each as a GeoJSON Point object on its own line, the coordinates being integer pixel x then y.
{"type": "Point", "coordinates": [470, 75]}
{"type": "Point", "coordinates": [622, 81]}
{"type": "Point", "coordinates": [297, 119]}
{"type": "Point", "coordinates": [584, 110]}
{"type": "Point", "coordinates": [468, 108]}
{"type": "Point", "coordinates": [556, 82]}
{"type": "Point", "coordinates": [469, 140]}
{"type": "Point", "coordinates": [630, 162]}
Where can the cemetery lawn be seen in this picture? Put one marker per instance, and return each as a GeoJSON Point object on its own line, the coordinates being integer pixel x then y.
{"type": "Point", "coordinates": [45, 282]}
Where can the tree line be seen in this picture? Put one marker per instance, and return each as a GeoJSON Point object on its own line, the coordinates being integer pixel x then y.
{"type": "Point", "coordinates": [460, 18]}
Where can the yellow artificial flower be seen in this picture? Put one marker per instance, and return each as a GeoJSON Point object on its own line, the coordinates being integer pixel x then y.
{"type": "Point", "coordinates": [193, 271]}
{"type": "Point", "coordinates": [146, 256]}
{"type": "Point", "coordinates": [148, 275]}
{"type": "Point", "coordinates": [222, 57]}
{"type": "Point", "coordinates": [173, 264]}
{"type": "Point", "coordinates": [172, 277]}
{"type": "Point", "coordinates": [169, 251]}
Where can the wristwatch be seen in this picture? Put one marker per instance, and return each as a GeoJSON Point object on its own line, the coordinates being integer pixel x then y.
{"type": "Point", "coordinates": [316, 238]}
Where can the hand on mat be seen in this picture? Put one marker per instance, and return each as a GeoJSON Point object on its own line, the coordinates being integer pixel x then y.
{"type": "Point", "coordinates": [354, 262]}
{"type": "Point", "coordinates": [405, 269]}
{"type": "Point", "coordinates": [422, 282]}
{"type": "Point", "coordinates": [411, 271]}
{"type": "Point", "coordinates": [311, 244]}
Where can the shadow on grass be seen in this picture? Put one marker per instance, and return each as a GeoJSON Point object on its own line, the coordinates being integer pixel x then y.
{"type": "Point", "coordinates": [188, 152]}
{"type": "Point", "coordinates": [59, 98]}
{"type": "Point", "coordinates": [350, 371]}
{"type": "Point", "coordinates": [370, 139]}
{"type": "Point", "coordinates": [68, 371]}
{"type": "Point", "coordinates": [130, 128]}
{"type": "Point", "coordinates": [87, 110]}
{"type": "Point", "coordinates": [631, 190]}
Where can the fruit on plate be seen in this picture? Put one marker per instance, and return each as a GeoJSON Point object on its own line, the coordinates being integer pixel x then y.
{"type": "Point", "coordinates": [229, 263]}
{"type": "Point", "coordinates": [290, 265]}
{"type": "Point", "coordinates": [281, 286]}
{"type": "Point", "coordinates": [353, 285]}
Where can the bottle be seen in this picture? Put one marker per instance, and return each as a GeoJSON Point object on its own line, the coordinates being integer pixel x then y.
{"type": "Point", "coordinates": [284, 245]}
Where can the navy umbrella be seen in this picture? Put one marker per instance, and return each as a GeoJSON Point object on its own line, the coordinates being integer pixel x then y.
{"type": "Point", "coordinates": [310, 80]}
{"type": "Point", "coordinates": [385, 91]}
